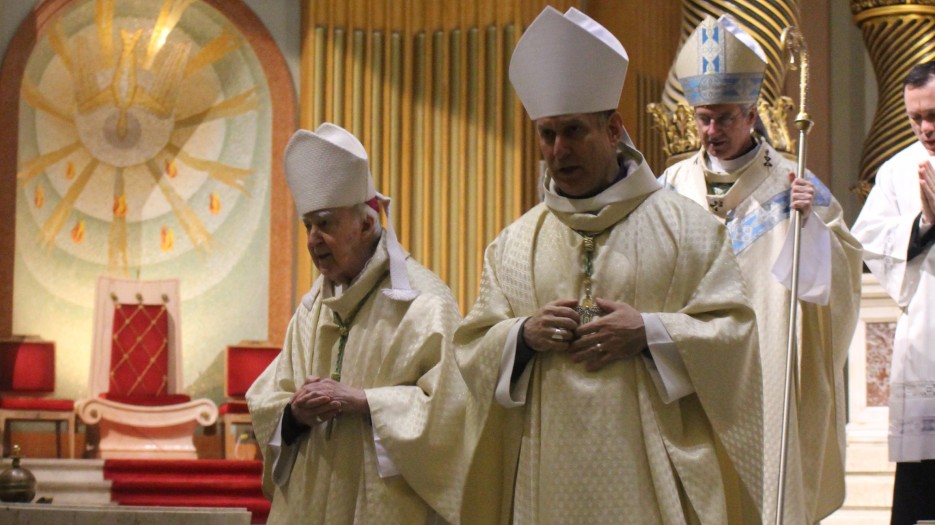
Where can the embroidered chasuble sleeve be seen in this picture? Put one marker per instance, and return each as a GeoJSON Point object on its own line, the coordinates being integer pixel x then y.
{"type": "Point", "coordinates": [479, 344]}
{"type": "Point", "coordinates": [267, 399]}
{"type": "Point", "coordinates": [493, 321]}
{"type": "Point", "coordinates": [714, 331]}
{"type": "Point", "coordinates": [421, 425]}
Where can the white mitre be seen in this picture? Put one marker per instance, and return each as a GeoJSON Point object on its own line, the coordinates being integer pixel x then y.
{"type": "Point", "coordinates": [720, 63]}
{"type": "Point", "coordinates": [566, 64]}
{"type": "Point", "coordinates": [329, 168]}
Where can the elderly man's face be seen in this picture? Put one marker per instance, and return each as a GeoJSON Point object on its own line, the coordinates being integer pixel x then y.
{"type": "Point", "coordinates": [920, 107]}
{"type": "Point", "coordinates": [338, 242]}
{"type": "Point", "coordinates": [725, 129]}
{"type": "Point", "coordinates": [581, 151]}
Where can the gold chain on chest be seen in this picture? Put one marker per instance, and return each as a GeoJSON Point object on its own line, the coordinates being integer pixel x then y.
{"type": "Point", "coordinates": [344, 329]}
{"type": "Point", "coordinates": [587, 308]}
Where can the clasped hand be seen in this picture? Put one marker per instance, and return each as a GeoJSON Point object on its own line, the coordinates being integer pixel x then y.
{"type": "Point", "coordinates": [927, 191]}
{"type": "Point", "coordinates": [321, 399]}
{"type": "Point", "coordinates": [618, 334]}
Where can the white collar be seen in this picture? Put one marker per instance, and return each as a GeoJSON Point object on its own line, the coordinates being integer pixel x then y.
{"type": "Point", "coordinates": [727, 166]}
{"type": "Point", "coordinates": [638, 181]}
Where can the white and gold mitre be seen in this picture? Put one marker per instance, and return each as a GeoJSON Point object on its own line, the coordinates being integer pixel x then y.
{"type": "Point", "coordinates": [567, 63]}
{"type": "Point", "coordinates": [720, 63]}
{"type": "Point", "coordinates": [327, 168]}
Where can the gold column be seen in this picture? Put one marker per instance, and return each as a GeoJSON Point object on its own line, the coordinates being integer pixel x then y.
{"type": "Point", "coordinates": [898, 35]}
{"type": "Point", "coordinates": [424, 85]}
{"type": "Point", "coordinates": [764, 20]}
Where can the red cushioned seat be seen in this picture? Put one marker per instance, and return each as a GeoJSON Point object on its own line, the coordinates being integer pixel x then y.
{"type": "Point", "coordinates": [37, 403]}
{"type": "Point", "coordinates": [27, 373]}
{"type": "Point", "coordinates": [27, 366]}
{"type": "Point", "coordinates": [243, 364]}
{"type": "Point", "coordinates": [233, 407]}
{"type": "Point", "coordinates": [148, 401]}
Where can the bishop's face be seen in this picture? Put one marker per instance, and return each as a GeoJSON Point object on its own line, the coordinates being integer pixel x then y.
{"type": "Point", "coordinates": [920, 107]}
{"type": "Point", "coordinates": [725, 129]}
{"type": "Point", "coordinates": [581, 151]}
{"type": "Point", "coordinates": [338, 241]}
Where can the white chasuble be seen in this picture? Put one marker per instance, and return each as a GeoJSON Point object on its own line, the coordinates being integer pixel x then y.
{"type": "Point", "coordinates": [603, 447]}
{"type": "Point", "coordinates": [400, 353]}
{"type": "Point", "coordinates": [756, 212]}
{"type": "Point", "coordinates": [884, 227]}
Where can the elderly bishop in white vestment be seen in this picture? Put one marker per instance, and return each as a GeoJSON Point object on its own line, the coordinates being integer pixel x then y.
{"type": "Point", "coordinates": [367, 359]}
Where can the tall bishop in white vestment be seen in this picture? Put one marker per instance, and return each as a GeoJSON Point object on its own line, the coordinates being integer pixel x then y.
{"type": "Point", "coordinates": [589, 430]}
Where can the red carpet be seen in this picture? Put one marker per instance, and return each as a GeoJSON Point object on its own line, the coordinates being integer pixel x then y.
{"type": "Point", "coordinates": [188, 483]}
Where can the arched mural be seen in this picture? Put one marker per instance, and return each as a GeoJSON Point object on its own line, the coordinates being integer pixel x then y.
{"type": "Point", "coordinates": [145, 150]}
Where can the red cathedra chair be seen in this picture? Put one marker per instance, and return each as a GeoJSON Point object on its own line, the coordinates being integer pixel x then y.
{"type": "Point", "coordinates": [27, 377]}
{"type": "Point", "coordinates": [243, 364]}
{"type": "Point", "coordinates": [136, 376]}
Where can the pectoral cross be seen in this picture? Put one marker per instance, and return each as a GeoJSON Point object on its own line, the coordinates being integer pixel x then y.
{"type": "Point", "coordinates": [587, 309]}
{"type": "Point", "coordinates": [343, 329]}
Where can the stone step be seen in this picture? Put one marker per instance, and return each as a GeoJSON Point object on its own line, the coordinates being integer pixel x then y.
{"type": "Point", "coordinates": [64, 469]}
{"type": "Point", "coordinates": [858, 517]}
{"type": "Point", "coordinates": [68, 481]}
{"type": "Point", "coordinates": [869, 491]}
{"type": "Point", "coordinates": [26, 514]}
{"type": "Point", "coordinates": [867, 457]}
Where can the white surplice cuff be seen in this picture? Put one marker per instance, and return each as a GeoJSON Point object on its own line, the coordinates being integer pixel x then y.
{"type": "Point", "coordinates": [283, 456]}
{"type": "Point", "coordinates": [665, 364]}
{"type": "Point", "coordinates": [923, 228]}
{"type": "Point", "coordinates": [814, 262]}
{"type": "Point", "coordinates": [507, 393]}
{"type": "Point", "coordinates": [385, 466]}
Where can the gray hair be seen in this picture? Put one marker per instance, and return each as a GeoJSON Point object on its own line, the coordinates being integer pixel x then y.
{"type": "Point", "coordinates": [364, 210]}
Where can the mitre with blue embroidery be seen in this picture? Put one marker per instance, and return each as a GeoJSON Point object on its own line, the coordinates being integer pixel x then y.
{"type": "Point", "coordinates": [566, 64]}
{"type": "Point", "coordinates": [720, 63]}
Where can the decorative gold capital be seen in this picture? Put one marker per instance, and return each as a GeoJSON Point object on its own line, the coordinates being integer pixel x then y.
{"type": "Point", "coordinates": [679, 132]}
{"type": "Point", "coordinates": [861, 190]}
{"type": "Point", "coordinates": [775, 118]}
{"type": "Point", "coordinates": [858, 6]}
